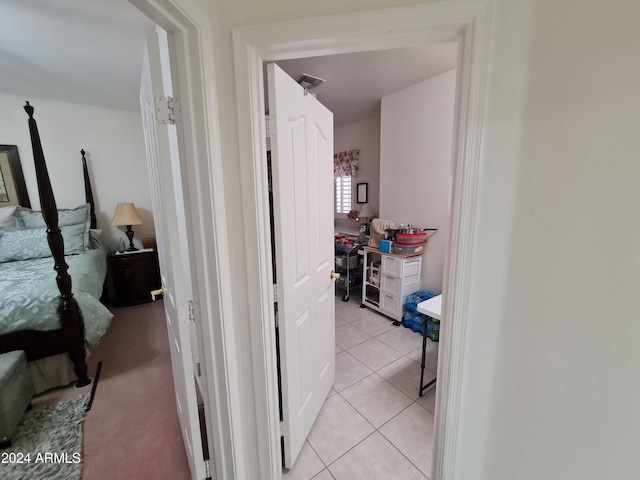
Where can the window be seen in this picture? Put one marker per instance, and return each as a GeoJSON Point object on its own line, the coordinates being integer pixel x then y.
{"type": "Point", "coordinates": [343, 194]}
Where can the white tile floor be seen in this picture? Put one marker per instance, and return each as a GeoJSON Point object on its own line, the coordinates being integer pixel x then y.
{"type": "Point", "coordinates": [374, 425]}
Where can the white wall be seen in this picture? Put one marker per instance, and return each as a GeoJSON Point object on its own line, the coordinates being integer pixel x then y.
{"type": "Point", "coordinates": [115, 157]}
{"type": "Point", "coordinates": [562, 385]}
{"type": "Point", "coordinates": [549, 386]}
{"type": "Point", "coordinates": [364, 135]}
{"type": "Point", "coordinates": [415, 165]}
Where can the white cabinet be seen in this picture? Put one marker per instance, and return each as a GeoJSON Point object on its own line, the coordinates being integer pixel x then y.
{"type": "Point", "coordinates": [388, 279]}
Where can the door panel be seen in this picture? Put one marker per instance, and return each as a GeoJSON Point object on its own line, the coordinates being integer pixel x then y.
{"type": "Point", "coordinates": [163, 161]}
{"type": "Point", "coordinates": [302, 165]}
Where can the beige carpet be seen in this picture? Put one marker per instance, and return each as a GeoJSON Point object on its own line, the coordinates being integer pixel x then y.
{"type": "Point", "coordinates": [132, 430]}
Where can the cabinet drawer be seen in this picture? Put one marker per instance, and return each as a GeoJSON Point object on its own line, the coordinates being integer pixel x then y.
{"type": "Point", "coordinates": [411, 267]}
{"type": "Point", "coordinates": [132, 267]}
{"type": "Point", "coordinates": [400, 267]}
{"type": "Point", "coordinates": [399, 286]}
{"type": "Point", "coordinates": [392, 304]}
{"type": "Point", "coordinates": [391, 265]}
{"type": "Point", "coordinates": [410, 284]}
{"type": "Point", "coordinates": [392, 285]}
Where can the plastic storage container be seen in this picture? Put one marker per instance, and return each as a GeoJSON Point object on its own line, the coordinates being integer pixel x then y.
{"type": "Point", "coordinates": [411, 238]}
{"type": "Point", "coordinates": [347, 261]}
{"type": "Point", "coordinates": [408, 249]}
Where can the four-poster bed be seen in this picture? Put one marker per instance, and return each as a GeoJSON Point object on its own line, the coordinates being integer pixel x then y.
{"type": "Point", "coordinates": [74, 318]}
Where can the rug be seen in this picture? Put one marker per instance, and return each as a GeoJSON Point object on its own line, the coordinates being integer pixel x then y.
{"type": "Point", "coordinates": [48, 444]}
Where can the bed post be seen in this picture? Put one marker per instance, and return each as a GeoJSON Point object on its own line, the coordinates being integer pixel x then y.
{"type": "Point", "coordinates": [70, 316]}
{"type": "Point", "coordinates": [87, 190]}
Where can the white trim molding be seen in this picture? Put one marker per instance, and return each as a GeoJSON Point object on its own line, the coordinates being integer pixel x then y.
{"type": "Point", "coordinates": [464, 22]}
{"type": "Point", "coordinates": [191, 43]}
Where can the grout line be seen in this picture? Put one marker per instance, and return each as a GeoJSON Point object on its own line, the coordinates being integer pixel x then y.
{"type": "Point", "coordinates": [407, 458]}
{"type": "Point", "coordinates": [321, 460]}
{"type": "Point", "coordinates": [395, 416]}
{"type": "Point", "coordinates": [398, 448]}
{"type": "Point", "coordinates": [375, 372]}
{"type": "Point", "coordinates": [385, 423]}
{"type": "Point", "coordinates": [382, 367]}
{"type": "Point", "coordinates": [376, 430]}
{"type": "Point", "coordinates": [327, 470]}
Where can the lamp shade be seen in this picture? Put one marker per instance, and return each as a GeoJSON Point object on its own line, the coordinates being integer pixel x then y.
{"type": "Point", "coordinates": [126, 214]}
{"type": "Point", "coordinates": [366, 211]}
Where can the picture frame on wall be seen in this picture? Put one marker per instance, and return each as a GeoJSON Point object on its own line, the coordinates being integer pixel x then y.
{"type": "Point", "coordinates": [362, 193]}
{"type": "Point", "coordinates": [13, 189]}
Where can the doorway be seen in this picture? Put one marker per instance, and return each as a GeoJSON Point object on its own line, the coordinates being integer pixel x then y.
{"type": "Point", "coordinates": [375, 396]}
{"type": "Point", "coordinates": [469, 24]}
{"type": "Point", "coordinates": [466, 24]}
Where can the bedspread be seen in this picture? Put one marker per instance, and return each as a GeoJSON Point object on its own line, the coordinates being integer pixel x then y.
{"type": "Point", "coordinates": [30, 300]}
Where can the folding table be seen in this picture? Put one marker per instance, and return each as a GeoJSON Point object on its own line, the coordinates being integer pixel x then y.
{"type": "Point", "coordinates": [431, 308]}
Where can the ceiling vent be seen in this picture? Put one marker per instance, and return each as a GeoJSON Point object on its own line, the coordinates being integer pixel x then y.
{"type": "Point", "coordinates": [309, 81]}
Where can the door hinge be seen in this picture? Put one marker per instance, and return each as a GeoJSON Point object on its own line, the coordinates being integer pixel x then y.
{"type": "Point", "coordinates": [186, 312]}
{"type": "Point", "coordinates": [168, 110]}
{"type": "Point", "coordinates": [198, 371]}
{"type": "Point", "coordinates": [204, 470]}
{"type": "Point", "coordinates": [207, 468]}
{"type": "Point", "coordinates": [275, 303]}
{"type": "Point", "coordinates": [282, 429]}
{"type": "Point", "coordinates": [271, 126]}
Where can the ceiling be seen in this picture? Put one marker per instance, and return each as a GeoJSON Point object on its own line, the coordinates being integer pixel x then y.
{"type": "Point", "coordinates": [80, 51]}
{"type": "Point", "coordinates": [355, 82]}
{"type": "Point", "coordinates": [90, 52]}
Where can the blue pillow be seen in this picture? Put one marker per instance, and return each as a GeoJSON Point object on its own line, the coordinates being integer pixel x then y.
{"type": "Point", "coordinates": [32, 243]}
{"type": "Point", "coordinates": [27, 218]}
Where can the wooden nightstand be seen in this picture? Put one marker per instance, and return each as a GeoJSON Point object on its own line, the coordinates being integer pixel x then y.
{"type": "Point", "coordinates": [134, 275]}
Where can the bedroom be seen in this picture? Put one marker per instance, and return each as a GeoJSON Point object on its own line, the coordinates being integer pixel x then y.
{"type": "Point", "coordinates": [110, 130]}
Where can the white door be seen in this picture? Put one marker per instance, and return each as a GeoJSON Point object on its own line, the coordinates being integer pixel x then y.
{"type": "Point", "coordinates": [302, 169]}
{"type": "Point", "coordinates": [163, 161]}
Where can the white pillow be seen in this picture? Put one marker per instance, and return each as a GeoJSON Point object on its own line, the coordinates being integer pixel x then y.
{"type": "Point", "coordinates": [7, 219]}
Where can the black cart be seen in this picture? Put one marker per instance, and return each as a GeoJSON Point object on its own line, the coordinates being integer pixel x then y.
{"type": "Point", "coordinates": [349, 265]}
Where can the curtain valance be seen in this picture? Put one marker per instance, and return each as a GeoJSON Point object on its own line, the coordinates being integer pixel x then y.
{"type": "Point", "coordinates": [345, 164]}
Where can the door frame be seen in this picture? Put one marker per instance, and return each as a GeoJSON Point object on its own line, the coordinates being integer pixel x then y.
{"type": "Point", "coordinates": [191, 40]}
{"type": "Point", "coordinates": [469, 24]}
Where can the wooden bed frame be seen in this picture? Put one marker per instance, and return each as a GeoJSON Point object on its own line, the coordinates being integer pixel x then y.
{"type": "Point", "coordinates": [70, 338]}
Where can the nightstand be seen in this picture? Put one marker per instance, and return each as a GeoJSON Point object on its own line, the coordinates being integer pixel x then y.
{"type": "Point", "coordinates": [134, 275]}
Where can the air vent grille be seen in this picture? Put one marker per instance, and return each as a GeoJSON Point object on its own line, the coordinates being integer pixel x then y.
{"type": "Point", "coordinates": [309, 81]}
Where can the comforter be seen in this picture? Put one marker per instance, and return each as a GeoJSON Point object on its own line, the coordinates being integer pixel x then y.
{"type": "Point", "coordinates": [30, 300]}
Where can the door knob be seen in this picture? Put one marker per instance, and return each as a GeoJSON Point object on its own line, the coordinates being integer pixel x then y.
{"type": "Point", "coordinates": [334, 276]}
{"type": "Point", "coordinates": [156, 293]}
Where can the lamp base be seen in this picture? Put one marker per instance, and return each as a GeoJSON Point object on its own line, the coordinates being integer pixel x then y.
{"type": "Point", "coordinates": [130, 237]}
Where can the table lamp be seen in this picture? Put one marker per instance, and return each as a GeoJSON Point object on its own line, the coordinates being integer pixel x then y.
{"type": "Point", "coordinates": [126, 214]}
{"type": "Point", "coordinates": [366, 212]}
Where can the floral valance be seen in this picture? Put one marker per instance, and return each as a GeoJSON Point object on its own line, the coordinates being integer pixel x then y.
{"type": "Point", "coordinates": [345, 164]}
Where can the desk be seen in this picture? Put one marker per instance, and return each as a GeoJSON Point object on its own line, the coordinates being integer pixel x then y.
{"type": "Point", "coordinates": [431, 308]}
